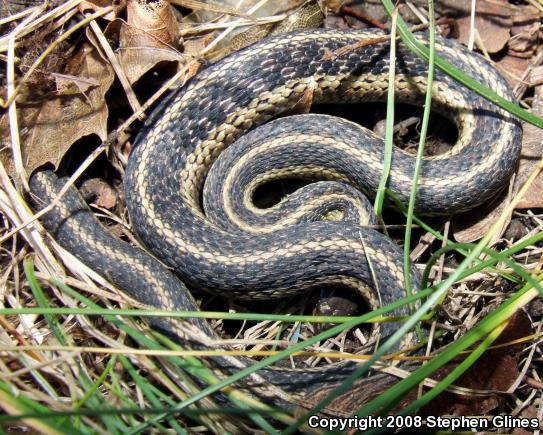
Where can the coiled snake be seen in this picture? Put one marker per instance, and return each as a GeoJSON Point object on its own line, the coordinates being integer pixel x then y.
{"type": "Point", "coordinates": [198, 217]}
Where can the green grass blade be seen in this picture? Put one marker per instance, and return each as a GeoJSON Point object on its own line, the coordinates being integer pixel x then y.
{"type": "Point", "coordinates": [420, 150]}
{"type": "Point", "coordinates": [98, 311]}
{"type": "Point", "coordinates": [285, 353]}
{"type": "Point", "coordinates": [190, 364]}
{"type": "Point", "coordinates": [41, 300]}
{"type": "Point", "coordinates": [19, 404]}
{"type": "Point", "coordinates": [393, 395]}
{"type": "Point", "coordinates": [149, 392]}
{"type": "Point", "coordinates": [389, 127]}
{"type": "Point", "coordinates": [422, 50]}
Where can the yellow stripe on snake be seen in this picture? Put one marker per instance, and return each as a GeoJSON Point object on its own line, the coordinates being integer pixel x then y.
{"type": "Point", "coordinates": [207, 147]}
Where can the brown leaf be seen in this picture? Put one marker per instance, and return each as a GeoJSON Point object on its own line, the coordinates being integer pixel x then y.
{"type": "Point", "coordinates": [50, 127]}
{"type": "Point", "coordinates": [474, 224]}
{"type": "Point", "coordinates": [495, 370]}
{"type": "Point", "coordinates": [471, 226]}
{"type": "Point", "coordinates": [147, 38]}
{"type": "Point", "coordinates": [524, 33]}
{"type": "Point", "coordinates": [155, 19]}
{"type": "Point", "coordinates": [307, 14]}
{"type": "Point", "coordinates": [96, 5]}
{"type": "Point", "coordinates": [65, 81]}
{"type": "Point", "coordinates": [492, 21]}
{"type": "Point", "coordinates": [532, 152]}
{"type": "Point", "coordinates": [513, 68]}
{"type": "Point", "coordinates": [65, 84]}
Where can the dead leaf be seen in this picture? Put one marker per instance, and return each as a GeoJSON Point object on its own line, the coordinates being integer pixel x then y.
{"type": "Point", "coordinates": [496, 370]}
{"type": "Point", "coordinates": [492, 21]}
{"type": "Point", "coordinates": [49, 127]}
{"type": "Point", "coordinates": [307, 15]}
{"type": "Point", "coordinates": [154, 19]}
{"type": "Point", "coordinates": [513, 68]}
{"type": "Point", "coordinates": [148, 37]}
{"type": "Point", "coordinates": [96, 5]}
{"type": "Point", "coordinates": [65, 81]}
{"type": "Point", "coordinates": [471, 226]}
{"type": "Point", "coordinates": [532, 152]}
{"type": "Point", "coordinates": [65, 84]}
{"type": "Point", "coordinates": [524, 33]}
{"type": "Point", "coordinates": [194, 46]}
{"type": "Point", "coordinates": [331, 6]}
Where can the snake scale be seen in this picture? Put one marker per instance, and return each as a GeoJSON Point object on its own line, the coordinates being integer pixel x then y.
{"type": "Point", "coordinates": [208, 146]}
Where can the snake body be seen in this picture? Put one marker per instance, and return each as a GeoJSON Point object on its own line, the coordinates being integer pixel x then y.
{"type": "Point", "coordinates": [190, 203]}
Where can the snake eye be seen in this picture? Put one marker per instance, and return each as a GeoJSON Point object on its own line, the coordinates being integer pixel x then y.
{"type": "Point", "coordinates": [342, 301]}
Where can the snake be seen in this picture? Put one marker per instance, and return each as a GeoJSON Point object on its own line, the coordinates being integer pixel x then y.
{"type": "Point", "coordinates": [241, 123]}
